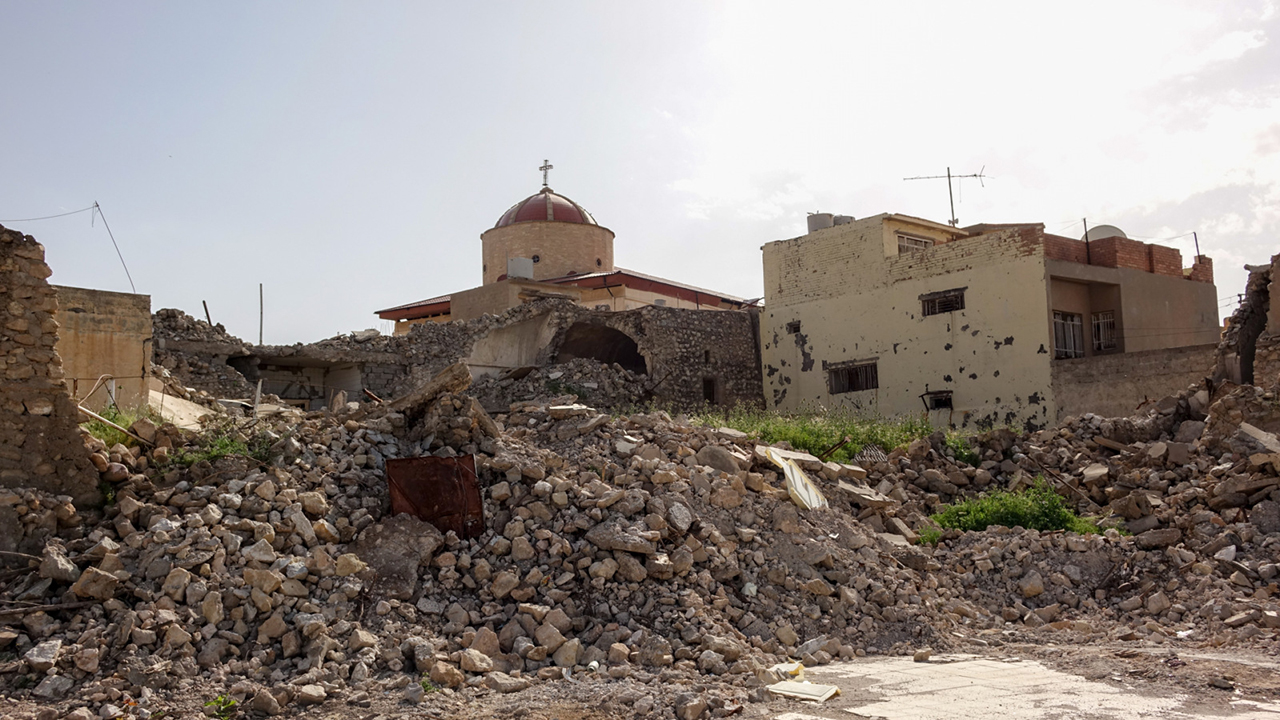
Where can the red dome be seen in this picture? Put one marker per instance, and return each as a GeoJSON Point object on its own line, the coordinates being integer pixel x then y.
{"type": "Point", "coordinates": [546, 206]}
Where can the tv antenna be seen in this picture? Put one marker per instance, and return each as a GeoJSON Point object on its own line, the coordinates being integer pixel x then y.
{"type": "Point", "coordinates": [954, 221]}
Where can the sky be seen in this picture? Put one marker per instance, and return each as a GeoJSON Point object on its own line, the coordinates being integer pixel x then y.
{"type": "Point", "coordinates": [347, 156]}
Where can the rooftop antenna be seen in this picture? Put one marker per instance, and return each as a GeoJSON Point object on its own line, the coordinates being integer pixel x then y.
{"type": "Point", "coordinates": [546, 167]}
{"type": "Point", "coordinates": [954, 221]}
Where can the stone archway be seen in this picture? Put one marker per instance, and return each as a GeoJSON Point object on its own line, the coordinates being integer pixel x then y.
{"type": "Point", "coordinates": [584, 340]}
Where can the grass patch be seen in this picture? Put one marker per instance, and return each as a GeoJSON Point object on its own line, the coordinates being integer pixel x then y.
{"type": "Point", "coordinates": [816, 433]}
{"type": "Point", "coordinates": [428, 686]}
{"type": "Point", "coordinates": [960, 448]}
{"type": "Point", "coordinates": [224, 707]}
{"type": "Point", "coordinates": [122, 417]}
{"type": "Point", "coordinates": [1035, 508]}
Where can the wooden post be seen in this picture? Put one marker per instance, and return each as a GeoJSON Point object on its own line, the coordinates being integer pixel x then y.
{"type": "Point", "coordinates": [206, 313]}
{"type": "Point", "coordinates": [259, 313]}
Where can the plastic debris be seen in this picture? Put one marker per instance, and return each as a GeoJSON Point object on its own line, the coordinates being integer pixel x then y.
{"type": "Point", "coordinates": [804, 690]}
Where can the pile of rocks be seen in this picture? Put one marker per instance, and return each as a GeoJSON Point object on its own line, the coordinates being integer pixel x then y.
{"type": "Point", "coordinates": [194, 355]}
{"type": "Point", "coordinates": [663, 557]}
{"type": "Point", "coordinates": [600, 385]}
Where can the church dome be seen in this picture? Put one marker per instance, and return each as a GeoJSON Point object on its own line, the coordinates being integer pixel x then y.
{"type": "Point", "coordinates": [548, 207]}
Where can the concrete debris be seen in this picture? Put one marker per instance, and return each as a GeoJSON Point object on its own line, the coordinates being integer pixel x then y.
{"type": "Point", "coordinates": [671, 558]}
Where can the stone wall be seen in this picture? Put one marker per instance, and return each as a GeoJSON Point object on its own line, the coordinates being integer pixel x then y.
{"type": "Point", "coordinates": [562, 249]}
{"type": "Point", "coordinates": [1115, 385]}
{"type": "Point", "coordinates": [40, 443]}
{"type": "Point", "coordinates": [688, 356]}
{"type": "Point", "coordinates": [1250, 349]}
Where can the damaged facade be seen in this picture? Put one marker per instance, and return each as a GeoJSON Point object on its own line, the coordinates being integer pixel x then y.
{"type": "Point", "coordinates": [981, 326]}
{"type": "Point", "coordinates": [1250, 351]}
{"type": "Point", "coordinates": [682, 357]}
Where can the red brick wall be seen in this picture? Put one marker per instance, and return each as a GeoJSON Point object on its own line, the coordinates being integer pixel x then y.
{"type": "Point", "coordinates": [1057, 247]}
{"type": "Point", "coordinates": [1118, 252]}
{"type": "Point", "coordinates": [1165, 260]}
{"type": "Point", "coordinates": [1202, 270]}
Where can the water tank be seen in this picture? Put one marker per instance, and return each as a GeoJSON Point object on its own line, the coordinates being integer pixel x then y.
{"type": "Point", "coordinates": [1103, 231]}
{"type": "Point", "coordinates": [843, 219]}
{"type": "Point", "coordinates": [820, 221]}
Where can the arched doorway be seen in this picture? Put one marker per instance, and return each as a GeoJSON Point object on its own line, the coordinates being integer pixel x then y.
{"type": "Point", "coordinates": [601, 343]}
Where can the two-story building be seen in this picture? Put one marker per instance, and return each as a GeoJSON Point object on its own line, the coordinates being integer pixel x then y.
{"type": "Point", "coordinates": [980, 326]}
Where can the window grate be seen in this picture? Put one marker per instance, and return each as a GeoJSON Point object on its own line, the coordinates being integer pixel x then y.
{"type": "Point", "coordinates": [854, 378]}
{"type": "Point", "coordinates": [1104, 331]}
{"type": "Point", "coordinates": [912, 243]}
{"type": "Point", "coordinates": [1068, 335]}
{"type": "Point", "coordinates": [942, 302]}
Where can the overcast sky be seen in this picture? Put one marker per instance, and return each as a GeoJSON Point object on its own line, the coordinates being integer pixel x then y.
{"type": "Point", "coordinates": [348, 155]}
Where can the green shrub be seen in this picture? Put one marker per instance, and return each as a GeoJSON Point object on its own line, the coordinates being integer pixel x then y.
{"type": "Point", "coordinates": [959, 445]}
{"type": "Point", "coordinates": [816, 432]}
{"type": "Point", "coordinates": [1035, 508]}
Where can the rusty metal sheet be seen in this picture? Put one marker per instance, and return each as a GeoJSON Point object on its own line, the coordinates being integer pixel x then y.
{"type": "Point", "coordinates": [442, 491]}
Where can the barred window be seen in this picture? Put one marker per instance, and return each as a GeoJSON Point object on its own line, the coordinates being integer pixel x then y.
{"type": "Point", "coordinates": [1104, 331]}
{"type": "Point", "coordinates": [910, 243]}
{"type": "Point", "coordinates": [854, 378]}
{"type": "Point", "coordinates": [1068, 335]}
{"type": "Point", "coordinates": [938, 303]}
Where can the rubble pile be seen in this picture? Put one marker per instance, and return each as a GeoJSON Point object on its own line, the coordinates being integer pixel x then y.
{"type": "Point", "coordinates": [666, 558]}
{"type": "Point", "coordinates": [193, 354]}
{"type": "Point", "coordinates": [600, 385]}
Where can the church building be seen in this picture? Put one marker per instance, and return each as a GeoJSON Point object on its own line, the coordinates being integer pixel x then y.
{"type": "Point", "coordinates": [548, 246]}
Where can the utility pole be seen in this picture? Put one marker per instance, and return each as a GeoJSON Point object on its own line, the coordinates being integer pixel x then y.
{"type": "Point", "coordinates": [954, 221]}
{"type": "Point", "coordinates": [259, 313]}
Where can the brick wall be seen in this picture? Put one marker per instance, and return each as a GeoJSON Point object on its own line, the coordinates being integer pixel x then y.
{"type": "Point", "coordinates": [1202, 270]}
{"type": "Point", "coordinates": [1057, 247]}
{"type": "Point", "coordinates": [1165, 260]}
{"type": "Point", "coordinates": [1115, 385]}
{"type": "Point", "coordinates": [40, 445]}
{"type": "Point", "coordinates": [1118, 252]}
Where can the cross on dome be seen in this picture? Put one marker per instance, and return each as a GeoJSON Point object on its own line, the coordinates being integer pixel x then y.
{"type": "Point", "coordinates": [546, 166]}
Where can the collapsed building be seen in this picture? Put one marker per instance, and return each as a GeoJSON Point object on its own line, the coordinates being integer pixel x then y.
{"type": "Point", "coordinates": [666, 567]}
{"type": "Point", "coordinates": [980, 326]}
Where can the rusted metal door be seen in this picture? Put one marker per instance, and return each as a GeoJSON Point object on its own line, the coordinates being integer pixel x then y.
{"type": "Point", "coordinates": [443, 491]}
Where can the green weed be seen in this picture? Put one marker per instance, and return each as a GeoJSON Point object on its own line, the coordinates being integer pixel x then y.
{"type": "Point", "coordinates": [960, 448]}
{"type": "Point", "coordinates": [929, 535]}
{"type": "Point", "coordinates": [224, 707]}
{"type": "Point", "coordinates": [427, 686]}
{"type": "Point", "coordinates": [1035, 508]}
{"type": "Point", "coordinates": [124, 417]}
{"type": "Point", "coordinates": [817, 432]}
{"type": "Point", "coordinates": [221, 441]}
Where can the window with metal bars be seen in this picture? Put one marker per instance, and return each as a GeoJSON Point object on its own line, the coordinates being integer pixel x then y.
{"type": "Point", "coordinates": [1068, 335]}
{"type": "Point", "coordinates": [854, 378]}
{"type": "Point", "coordinates": [1104, 331]}
{"type": "Point", "coordinates": [939, 303]}
{"type": "Point", "coordinates": [912, 242]}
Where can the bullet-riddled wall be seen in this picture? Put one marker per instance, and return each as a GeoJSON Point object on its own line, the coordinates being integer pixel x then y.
{"type": "Point", "coordinates": [846, 309]}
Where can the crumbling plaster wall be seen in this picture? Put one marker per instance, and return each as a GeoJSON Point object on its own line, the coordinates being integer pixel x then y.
{"type": "Point", "coordinates": [40, 442]}
{"type": "Point", "coordinates": [1115, 385]}
{"type": "Point", "coordinates": [856, 303]}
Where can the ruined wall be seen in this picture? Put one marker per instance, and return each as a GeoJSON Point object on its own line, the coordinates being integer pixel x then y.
{"type": "Point", "coordinates": [854, 305]}
{"type": "Point", "coordinates": [1115, 385]}
{"type": "Point", "coordinates": [1250, 349]}
{"type": "Point", "coordinates": [688, 355]}
{"type": "Point", "coordinates": [104, 333]}
{"type": "Point", "coordinates": [40, 445]}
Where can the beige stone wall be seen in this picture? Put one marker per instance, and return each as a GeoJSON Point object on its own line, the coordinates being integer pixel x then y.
{"type": "Point", "coordinates": [857, 301]}
{"type": "Point", "coordinates": [104, 333]}
{"type": "Point", "coordinates": [625, 298]}
{"type": "Point", "coordinates": [40, 445]}
{"type": "Point", "coordinates": [562, 248]}
{"type": "Point", "coordinates": [1115, 385]}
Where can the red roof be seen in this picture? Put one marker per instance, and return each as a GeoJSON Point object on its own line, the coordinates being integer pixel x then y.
{"type": "Point", "coordinates": [546, 206]}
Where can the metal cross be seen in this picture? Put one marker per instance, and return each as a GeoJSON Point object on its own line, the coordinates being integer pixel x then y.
{"type": "Point", "coordinates": [546, 165]}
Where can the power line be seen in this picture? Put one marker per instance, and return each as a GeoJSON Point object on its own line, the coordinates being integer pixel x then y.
{"type": "Point", "coordinates": [98, 208]}
{"type": "Point", "coordinates": [50, 217]}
